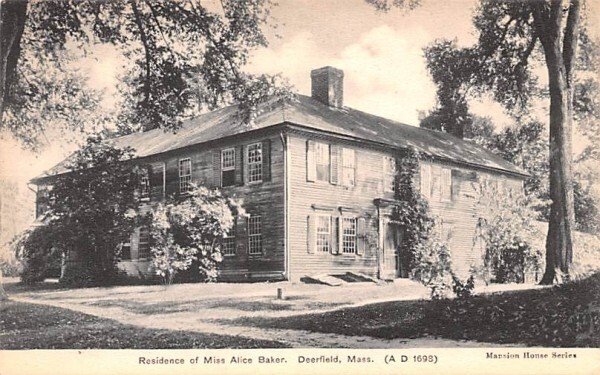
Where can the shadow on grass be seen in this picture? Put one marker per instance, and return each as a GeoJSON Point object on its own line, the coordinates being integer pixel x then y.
{"type": "Point", "coordinates": [169, 307]}
{"type": "Point", "coordinates": [32, 326]}
{"type": "Point", "coordinates": [561, 316]}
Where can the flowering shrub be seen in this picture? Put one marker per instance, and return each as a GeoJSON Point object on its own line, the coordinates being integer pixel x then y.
{"type": "Point", "coordinates": [188, 233]}
{"type": "Point", "coordinates": [505, 225]}
{"type": "Point", "coordinates": [432, 264]}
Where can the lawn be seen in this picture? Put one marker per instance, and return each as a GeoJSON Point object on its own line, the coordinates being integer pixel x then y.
{"type": "Point", "coordinates": [566, 316]}
{"type": "Point", "coordinates": [33, 326]}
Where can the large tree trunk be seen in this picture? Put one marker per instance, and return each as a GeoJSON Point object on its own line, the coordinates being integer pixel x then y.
{"type": "Point", "coordinates": [560, 64]}
{"type": "Point", "coordinates": [559, 244]}
{"type": "Point", "coordinates": [13, 14]}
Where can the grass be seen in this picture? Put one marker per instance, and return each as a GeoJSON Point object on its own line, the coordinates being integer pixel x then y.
{"type": "Point", "coordinates": [32, 326]}
{"type": "Point", "coordinates": [169, 307]}
{"type": "Point", "coordinates": [564, 316]}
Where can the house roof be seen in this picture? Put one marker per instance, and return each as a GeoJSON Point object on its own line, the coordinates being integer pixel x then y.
{"type": "Point", "coordinates": [310, 113]}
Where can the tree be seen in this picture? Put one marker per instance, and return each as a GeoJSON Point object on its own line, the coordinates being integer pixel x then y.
{"type": "Point", "coordinates": [510, 33]}
{"type": "Point", "coordinates": [184, 56]}
{"type": "Point", "coordinates": [524, 144]}
{"type": "Point", "coordinates": [90, 212]}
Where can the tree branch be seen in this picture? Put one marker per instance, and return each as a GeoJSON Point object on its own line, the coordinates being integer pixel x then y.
{"type": "Point", "coordinates": [540, 20]}
{"type": "Point", "coordinates": [160, 29]}
{"type": "Point", "coordinates": [144, 38]}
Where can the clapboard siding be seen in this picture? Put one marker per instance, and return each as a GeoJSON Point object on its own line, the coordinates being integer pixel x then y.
{"type": "Point", "coordinates": [264, 198]}
{"type": "Point", "coordinates": [459, 215]}
{"type": "Point", "coordinates": [310, 198]}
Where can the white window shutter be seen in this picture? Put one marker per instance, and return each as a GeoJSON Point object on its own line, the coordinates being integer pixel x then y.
{"type": "Point", "coordinates": [216, 166]}
{"type": "Point", "coordinates": [311, 167]}
{"type": "Point", "coordinates": [340, 235]}
{"type": "Point", "coordinates": [361, 238]}
{"type": "Point", "coordinates": [335, 167]}
{"type": "Point", "coordinates": [311, 230]}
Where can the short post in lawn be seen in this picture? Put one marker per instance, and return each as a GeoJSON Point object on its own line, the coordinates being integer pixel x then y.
{"type": "Point", "coordinates": [279, 293]}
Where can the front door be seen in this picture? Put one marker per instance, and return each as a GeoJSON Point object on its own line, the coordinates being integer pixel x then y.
{"type": "Point", "coordinates": [394, 263]}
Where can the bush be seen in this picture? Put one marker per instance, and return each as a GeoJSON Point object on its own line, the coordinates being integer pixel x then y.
{"type": "Point", "coordinates": [35, 249]}
{"type": "Point", "coordinates": [505, 230]}
{"type": "Point", "coordinates": [463, 290]}
{"type": "Point", "coordinates": [432, 264]}
{"type": "Point", "coordinates": [188, 233]}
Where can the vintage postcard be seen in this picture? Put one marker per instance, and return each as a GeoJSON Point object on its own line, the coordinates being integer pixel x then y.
{"type": "Point", "coordinates": [269, 187]}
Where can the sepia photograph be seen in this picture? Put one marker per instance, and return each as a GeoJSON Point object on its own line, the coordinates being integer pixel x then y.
{"type": "Point", "coordinates": [292, 186]}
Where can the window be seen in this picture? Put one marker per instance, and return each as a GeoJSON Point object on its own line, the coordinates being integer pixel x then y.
{"type": "Point", "coordinates": [126, 251]}
{"type": "Point", "coordinates": [324, 233]}
{"type": "Point", "coordinates": [145, 187]}
{"type": "Point", "coordinates": [185, 175]}
{"type": "Point", "coordinates": [254, 235]}
{"type": "Point", "coordinates": [228, 167]}
{"type": "Point", "coordinates": [322, 158]}
{"type": "Point", "coordinates": [349, 235]}
{"type": "Point", "coordinates": [446, 185]}
{"type": "Point", "coordinates": [389, 174]}
{"type": "Point", "coordinates": [348, 167]}
{"type": "Point", "coordinates": [255, 162]}
{"type": "Point", "coordinates": [228, 243]}
{"type": "Point", "coordinates": [144, 244]}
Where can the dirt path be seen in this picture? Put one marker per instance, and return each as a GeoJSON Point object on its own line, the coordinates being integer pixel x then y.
{"type": "Point", "coordinates": [189, 321]}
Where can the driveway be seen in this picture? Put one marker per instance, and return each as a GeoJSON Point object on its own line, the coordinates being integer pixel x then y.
{"type": "Point", "coordinates": [208, 308]}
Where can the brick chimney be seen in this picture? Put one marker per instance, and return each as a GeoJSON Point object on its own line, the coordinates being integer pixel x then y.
{"type": "Point", "coordinates": [328, 86]}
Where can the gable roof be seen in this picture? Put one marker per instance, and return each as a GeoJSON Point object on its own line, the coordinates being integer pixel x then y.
{"type": "Point", "coordinates": [310, 113]}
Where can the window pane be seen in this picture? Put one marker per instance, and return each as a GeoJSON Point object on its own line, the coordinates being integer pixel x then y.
{"type": "Point", "coordinates": [322, 159]}
{"type": "Point", "coordinates": [255, 162]}
{"type": "Point", "coordinates": [144, 244]}
{"type": "Point", "coordinates": [348, 170]}
{"type": "Point", "coordinates": [254, 235]}
{"type": "Point", "coordinates": [185, 175]}
{"type": "Point", "coordinates": [349, 235]}
{"type": "Point", "coordinates": [324, 233]}
{"type": "Point", "coordinates": [145, 186]}
{"type": "Point", "coordinates": [228, 159]}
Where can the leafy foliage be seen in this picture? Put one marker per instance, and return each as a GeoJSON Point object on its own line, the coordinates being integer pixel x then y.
{"type": "Point", "coordinates": [185, 56]}
{"type": "Point", "coordinates": [505, 225]}
{"type": "Point", "coordinates": [524, 144]}
{"type": "Point", "coordinates": [463, 290]}
{"type": "Point", "coordinates": [36, 251]}
{"type": "Point", "coordinates": [560, 316]}
{"type": "Point", "coordinates": [189, 232]}
{"type": "Point", "coordinates": [90, 212]}
{"type": "Point", "coordinates": [422, 239]}
{"type": "Point", "coordinates": [432, 264]}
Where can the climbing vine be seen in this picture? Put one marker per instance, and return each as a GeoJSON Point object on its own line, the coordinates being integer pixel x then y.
{"type": "Point", "coordinates": [422, 242]}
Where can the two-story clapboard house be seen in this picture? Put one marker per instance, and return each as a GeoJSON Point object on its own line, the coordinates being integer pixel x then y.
{"type": "Point", "coordinates": [317, 180]}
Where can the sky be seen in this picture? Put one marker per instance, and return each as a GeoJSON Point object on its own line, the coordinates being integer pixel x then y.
{"type": "Point", "coordinates": [380, 53]}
